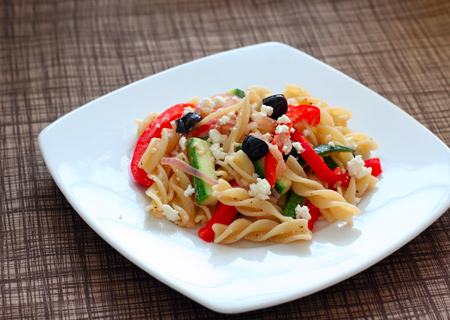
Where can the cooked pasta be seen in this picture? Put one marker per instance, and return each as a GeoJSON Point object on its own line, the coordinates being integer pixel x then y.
{"type": "Point", "coordinates": [254, 165]}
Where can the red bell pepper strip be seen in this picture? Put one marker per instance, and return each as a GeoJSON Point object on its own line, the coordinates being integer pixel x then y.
{"type": "Point", "coordinates": [223, 214]}
{"type": "Point", "coordinates": [339, 176]}
{"type": "Point", "coordinates": [204, 129]}
{"type": "Point", "coordinates": [270, 168]}
{"type": "Point", "coordinates": [315, 213]}
{"type": "Point", "coordinates": [316, 162]}
{"type": "Point", "coordinates": [154, 130]}
{"type": "Point", "coordinates": [375, 164]}
{"type": "Point", "coordinates": [309, 113]}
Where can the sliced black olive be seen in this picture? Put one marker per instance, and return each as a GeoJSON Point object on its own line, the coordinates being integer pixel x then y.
{"type": "Point", "coordinates": [254, 147]}
{"type": "Point", "coordinates": [279, 104]}
{"type": "Point", "coordinates": [293, 153]}
{"type": "Point", "coordinates": [187, 122]}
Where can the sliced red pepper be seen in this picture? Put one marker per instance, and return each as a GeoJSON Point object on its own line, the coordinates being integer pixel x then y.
{"type": "Point", "coordinates": [204, 129]}
{"type": "Point", "coordinates": [339, 176]}
{"type": "Point", "coordinates": [154, 130]}
{"type": "Point", "coordinates": [316, 162]}
{"type": "Point", "coordinates": [309, 113]}
{"type": "Point", "coordinates": [223, 214]}
{"type": "Point", "coordinates": [315, 213]}
{"type": "Point", "coordinates": [270, 168]}
{"type": "Point", "coordinates": [375, 164]}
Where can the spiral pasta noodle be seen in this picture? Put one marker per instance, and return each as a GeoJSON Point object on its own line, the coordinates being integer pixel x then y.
{"type": "Point", "coordinates": [254, 165]}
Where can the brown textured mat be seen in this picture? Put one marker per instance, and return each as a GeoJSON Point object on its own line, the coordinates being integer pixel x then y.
{"type": "Point", "coordinates": [58, 55]}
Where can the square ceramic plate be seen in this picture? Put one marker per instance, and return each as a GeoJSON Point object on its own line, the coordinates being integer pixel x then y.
{"type": "Point", "coordinates": [88, 153]}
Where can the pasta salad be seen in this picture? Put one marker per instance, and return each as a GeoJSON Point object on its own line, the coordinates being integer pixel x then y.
{"type": "Point", "coordinates": [253, 165]}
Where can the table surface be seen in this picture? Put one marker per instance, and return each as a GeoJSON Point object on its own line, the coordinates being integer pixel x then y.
{"type": "Point", "coordinates": [58, 55]}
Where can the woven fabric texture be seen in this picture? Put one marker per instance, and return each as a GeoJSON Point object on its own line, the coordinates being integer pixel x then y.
{"type": "Point", "coordinates": [58, 55]}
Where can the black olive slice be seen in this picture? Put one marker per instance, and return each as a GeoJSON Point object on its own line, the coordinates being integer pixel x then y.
{"type": "Point", "coordinates": [293, 153]}
{"type": "Point", "coordinates": [279, 104]}
{"type": "Point", "coordinates": [187, 122]}
{"type": "Point", "coordinates": [254, 147]}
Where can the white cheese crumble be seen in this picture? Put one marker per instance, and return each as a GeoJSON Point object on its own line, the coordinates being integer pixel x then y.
{"type": "Point", "coordinates": [284, 119]}
{"type": "Point", "coordinates": [302, 212]}
{"type": "Point", "coordinates": [207, 102]}
{"type": "Point", "coordinates": [331, 144]}
{"type": "Point", "coordinates": [306, 132]}
{"type": "Point", "coordinates": [266, 110]}
{"type": "Point", "coordinates": [260, 189]}
{"type": "Point", "coordinates": [219, 101]}
{"type": "Point", "coordinates": [216, 137]}
{"type": "Point", "coordinates": [224, 120]}
{"type": "Point", "coordinates": [189, 191]}
{"type": "Point", "coordinates": [266, 137]}
{"type": "Point", "coordinates": [217, 151]}
{"type": "Point", "coordinates": [298, 147]}
{"type": "Point", "coordinates": [188, 109]}
{"type": "Point", "coordinates": [170, 213]}
{"type": "Point", "coordinates": [356, 168]}
{"type": "Point", "coordinates": [182, 143]}
{"type": "Point", "coordinates": [282, 129]}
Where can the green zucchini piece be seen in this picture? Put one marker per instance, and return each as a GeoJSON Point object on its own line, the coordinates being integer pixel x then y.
{"type": "Point", "coordinates": [201, 158]}
{"type": "Point", "coordinates": [293, 201]}
{"type": "Point", "coordinates": [282, 185]}
{"type": "Point", "coordinates": [326, 149]}
{"type": "Point", "coordinates": [259, 168]}
{"type": "Point", "coordinates": [237, 92]}
{"type": "Point", "coordinates": [330, 162]}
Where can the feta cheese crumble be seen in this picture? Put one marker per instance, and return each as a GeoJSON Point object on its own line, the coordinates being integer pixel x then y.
{"type": "Point", "coordinates": [216, 137]}
{"type": "Point", "coordinates": [266, 110]}
{"type": "Point", "coordinates": [298, 146]}
{"type": "Point", "coordinates": [207, 102]}
{"type": "Point", "coordinates": [170, 213]}
{"type": "Point", "coordinates": [284, 119]}
{"type": "Point", "coordinates": [302, 212]}
{"type": "Point", "coordinates": [188, 109]}
{"type": "Point", "coordinates": [356, 168]}
{"type": "Point", "coordinates": [217, 151]}
{"type": "Point", "coordinates": [189, 191]}
{"type": "Point", "coordinates": [282, 129]}
{"type": "Point", "coordinates": [182, 143]}
{"type": "Point", "coordinates": [331, 144]}
{"type": "Point", "coordinates": [260, 189]}
{"type": "Point", "coordinates": [219, 101]}
{"type": "Point", "coordinates": [224, 120]}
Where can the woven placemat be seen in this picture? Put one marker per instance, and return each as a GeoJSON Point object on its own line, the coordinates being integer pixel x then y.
{"type": "Point", "coordinates": [58, 55]}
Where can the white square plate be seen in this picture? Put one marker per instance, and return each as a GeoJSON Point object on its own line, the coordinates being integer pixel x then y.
{"type": "Point", "coordinates": [88, 153]}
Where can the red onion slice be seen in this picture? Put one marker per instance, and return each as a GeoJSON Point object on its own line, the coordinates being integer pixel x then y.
{"type": "Point", "coordinates": [180, 164]}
